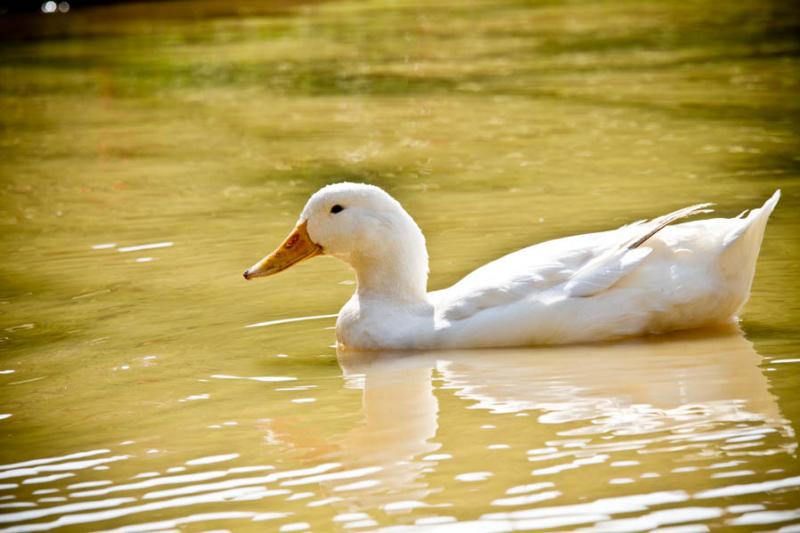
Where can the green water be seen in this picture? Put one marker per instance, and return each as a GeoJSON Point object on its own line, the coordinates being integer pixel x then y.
{"type": "Point", "coordinates": [133, 394]}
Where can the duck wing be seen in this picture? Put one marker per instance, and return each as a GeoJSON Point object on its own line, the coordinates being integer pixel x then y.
{"type": "Point", "coordinates": [579, 266]}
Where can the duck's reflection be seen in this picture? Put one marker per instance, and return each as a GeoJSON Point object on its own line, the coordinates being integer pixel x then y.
{"type": "Point", "coordinates": [681, 385]}
{"type": "Point", "coordinates": [699, 397]}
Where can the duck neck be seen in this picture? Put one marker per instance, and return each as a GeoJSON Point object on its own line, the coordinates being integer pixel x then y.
{"type": "Point", "coordinates": [401, 276]}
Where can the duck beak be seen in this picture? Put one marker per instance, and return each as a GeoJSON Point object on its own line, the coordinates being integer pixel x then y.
{"type": "Point", "coordinates": [297, 247]}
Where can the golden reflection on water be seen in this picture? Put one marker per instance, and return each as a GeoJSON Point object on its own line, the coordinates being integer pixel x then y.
{"type": "Point", "coordinates": [634, 435]}
{"type": "Point", "coordinates": [150, 151]}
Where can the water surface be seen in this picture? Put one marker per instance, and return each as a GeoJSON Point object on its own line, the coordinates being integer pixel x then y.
{"type": "Point", "coordinates": [151, 152]}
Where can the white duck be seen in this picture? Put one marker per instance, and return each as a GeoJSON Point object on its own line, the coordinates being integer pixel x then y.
{"type": "Point", "coordinates": [647, 277]}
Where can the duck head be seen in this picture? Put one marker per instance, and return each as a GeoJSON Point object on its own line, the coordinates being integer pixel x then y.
{"type": "Point", "coordinates": [363, 226]}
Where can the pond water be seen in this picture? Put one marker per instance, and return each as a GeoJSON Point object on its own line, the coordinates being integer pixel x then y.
{"type": "Point", "coordinates": [151, 152]}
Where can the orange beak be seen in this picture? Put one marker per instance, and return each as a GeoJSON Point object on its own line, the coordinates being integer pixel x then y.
{"type": "Point", "coordinates": [297, 247]}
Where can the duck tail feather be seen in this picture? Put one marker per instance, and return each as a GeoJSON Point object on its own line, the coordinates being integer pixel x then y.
{"type": "Point", "coordinates": [611, 266]}
{"type": "Point", "coordinates": [657, 224]}
{"type": "Point", "coordinates": [756, 218]}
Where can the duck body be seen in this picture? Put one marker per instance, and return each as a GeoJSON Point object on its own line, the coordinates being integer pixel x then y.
{"type": "Point", "coordinates": [648, 277]}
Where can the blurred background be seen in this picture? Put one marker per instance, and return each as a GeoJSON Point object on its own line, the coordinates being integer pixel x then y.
{"type": "Point", "coordinates": [151, 151]}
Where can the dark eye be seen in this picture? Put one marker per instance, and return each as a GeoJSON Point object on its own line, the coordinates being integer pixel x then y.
{"type": "Point", "coordinates": [335, 209]}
